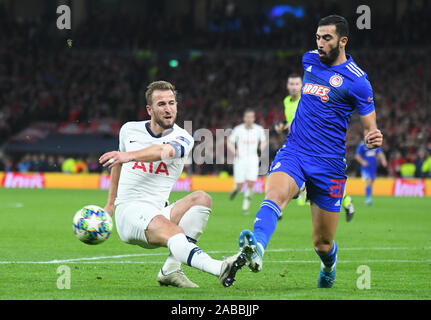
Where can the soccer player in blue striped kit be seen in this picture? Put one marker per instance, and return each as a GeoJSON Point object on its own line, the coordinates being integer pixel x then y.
{"type": "Point", "coordinates": [313, 155]}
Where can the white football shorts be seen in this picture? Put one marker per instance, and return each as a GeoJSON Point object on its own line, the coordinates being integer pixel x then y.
{"type": "Point", "coordinates": [132, 220]}
{"type": "Point", "coordinates": [245, 170]}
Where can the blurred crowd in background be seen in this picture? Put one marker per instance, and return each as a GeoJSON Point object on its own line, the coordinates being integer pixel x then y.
{"type": "Point", "coordinates": [43, 80]}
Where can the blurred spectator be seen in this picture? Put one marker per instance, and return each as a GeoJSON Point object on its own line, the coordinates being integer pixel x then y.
{"type": "Point", "coordinates": [395, 164]}
{"type": "Point", "coordinates": [420, 158]}
{"type": "Point", "coordinates": [426, 168]}
{"type": "Point", "coordinates": [25, 164]}
{"type": "Point", "coordinates": [81, 166]}
{"type": "Point", "coordinates": [43, 163]}
{"type": "Point", "coordinates": [408, 169]}
{"type": "Point", "coordinates": [52, 165]}
{"type": "Point", "coordinates": [69, 165]}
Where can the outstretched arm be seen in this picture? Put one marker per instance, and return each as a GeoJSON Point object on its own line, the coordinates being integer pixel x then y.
{"type": "Point", "coordinates": [150, 154]}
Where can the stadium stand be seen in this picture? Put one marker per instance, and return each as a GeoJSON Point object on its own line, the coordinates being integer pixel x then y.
{"type": "Point", "coordinates": [53, 96]}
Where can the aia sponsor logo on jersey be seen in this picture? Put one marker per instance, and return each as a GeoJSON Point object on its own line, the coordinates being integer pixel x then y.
{"type": "Point", "coordinates": [317, 90]}
{"type": "Point", "coordinates": [149, 167]}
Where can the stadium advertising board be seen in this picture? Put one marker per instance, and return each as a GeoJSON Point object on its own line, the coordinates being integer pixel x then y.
{"type": "Point", "coordinates": [355, 186]}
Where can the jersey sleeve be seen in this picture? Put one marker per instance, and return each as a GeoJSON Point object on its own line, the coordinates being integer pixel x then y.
{"type": "Point", "coordinates": [262, 136]}
{"type": "Point", "coordinates": [362, 95]}
{"type": "Point", "coordinates": [233, 136]}
{"type": "Point", "coordinates": [183, 144]}
{"type": "Point", "coordinates": [121, 137]}
{"type": "Point", "coordinates": [359, 149]}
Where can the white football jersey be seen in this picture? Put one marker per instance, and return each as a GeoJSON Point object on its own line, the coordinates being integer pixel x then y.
{"type": "Point", "coordinates": [150, 182]}
{"type": "Point", "coordinates": [247, 140]}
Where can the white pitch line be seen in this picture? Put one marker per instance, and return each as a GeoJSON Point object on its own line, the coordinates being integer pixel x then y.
{"type": "Point", "coordinates": [270, 261]}
{"type": "Point", "coordinates": [89, 259]}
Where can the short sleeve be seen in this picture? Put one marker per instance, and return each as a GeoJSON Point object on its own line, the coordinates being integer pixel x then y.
{"type": "Point", "coordinates": [262, 137]}
{"type": "Point", "coordinates": [122, 135]}
{"type": "Point", "coordinates": [233, 136]}
{"type": "Point", "coordinates": [362, 95]}
{"type": "Point", "coordinates": [183, 144]}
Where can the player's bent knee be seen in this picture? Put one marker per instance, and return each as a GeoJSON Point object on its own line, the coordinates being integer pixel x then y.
{"type": "Point", "coordinates": [160, 229]}
{"type": "Point", "coordinates": [277, 196]}
{"type": "Point", "coordinates": [201, 198]}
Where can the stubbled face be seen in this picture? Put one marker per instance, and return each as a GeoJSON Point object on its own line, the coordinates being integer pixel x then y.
{"type": "Point", "coordinates": [163, 109]}
{"type": "Point", "coordinates": [294, 86]}
{"type": "Point", "coordinates": [328, 44]}
{"type": "Point", "coordinates": [249, 118]}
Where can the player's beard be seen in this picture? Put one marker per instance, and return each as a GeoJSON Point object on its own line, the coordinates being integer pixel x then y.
{"type": "Point", "coordinates": [164, 126]}
{"type": "Point", "coordinates": [331, 56]}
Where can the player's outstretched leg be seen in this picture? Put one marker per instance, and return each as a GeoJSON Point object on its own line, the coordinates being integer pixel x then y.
{"type": "Point", "coordinates": [176, 278]}
{"type": "Point", "coordinates": [191, 254]}
{"type": "Point", "coordinates": [253, 245]}
{"type": "Point", "coordinates": [324, 227]}
{"type": "Point", "coordinates": [191, 213]}
{"type": "Point", "coordinates": [253, 250]}
{"type": "Point", "coordinates": [328, 269]}
{"type": "Point", "coordinates": [280, 189]}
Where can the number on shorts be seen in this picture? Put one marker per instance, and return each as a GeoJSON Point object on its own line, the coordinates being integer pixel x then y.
{"type": "Point", "coordinates": [337, 189]}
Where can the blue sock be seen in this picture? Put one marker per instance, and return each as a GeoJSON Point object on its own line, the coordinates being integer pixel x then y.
{"type": "Point", "coordinates": [266, 221]}
{"type": "Point", "coordinates": [368, 191]}
{"type": "Point", "coordinates": [329, 258]}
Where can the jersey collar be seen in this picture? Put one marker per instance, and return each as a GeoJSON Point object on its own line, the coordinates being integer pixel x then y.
{"type": "Point", "coordinates": [147, 126]}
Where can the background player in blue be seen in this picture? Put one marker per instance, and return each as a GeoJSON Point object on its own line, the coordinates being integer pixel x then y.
{"type": "Point", "coordinates": [313, 154]}
{"type": "Point", "coordinates": [368, 160]}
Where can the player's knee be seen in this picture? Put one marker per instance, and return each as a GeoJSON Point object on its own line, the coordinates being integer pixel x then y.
{"type": "Point", "coordinates": [322, 247]}
{"type": "Point", "coordinates": [201, 198]}
{"type": "Point", "coordinates": [280, 198]}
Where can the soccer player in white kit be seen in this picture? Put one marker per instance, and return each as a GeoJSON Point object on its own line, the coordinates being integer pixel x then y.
{"type": "Point", "coordinates": [244, 143]}
{"type": "Point", "coordinates": [150, 159]}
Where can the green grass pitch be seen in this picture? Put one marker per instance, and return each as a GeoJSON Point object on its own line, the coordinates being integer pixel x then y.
{"type": "Point", "coordinates": [392, 238]}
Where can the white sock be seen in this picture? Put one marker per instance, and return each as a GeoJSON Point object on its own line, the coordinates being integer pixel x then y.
{"type": "Point", "coordinates": [247, 198]}
{"type": "Point", "coordinates": [189, 253]}
{"type": "Point", "coordinates": [193, 223]}
{"type": "Point", "coordinates": [171, 265]}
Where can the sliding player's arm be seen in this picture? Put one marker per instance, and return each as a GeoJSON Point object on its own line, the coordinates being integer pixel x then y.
{"type": "Point", "coordinates": [150, 154]}
{"type": "Point", "coordinates": [113, 187]}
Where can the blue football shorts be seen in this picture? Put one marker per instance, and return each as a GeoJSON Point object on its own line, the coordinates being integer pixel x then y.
{"type": "Point", "coordinates": [324, 178]}
{"type": "Point", "coordinates": [368, 174]}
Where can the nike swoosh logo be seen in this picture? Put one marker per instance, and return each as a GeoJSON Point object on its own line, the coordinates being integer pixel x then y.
{"type": "Point", "coordinates": [132, 141]}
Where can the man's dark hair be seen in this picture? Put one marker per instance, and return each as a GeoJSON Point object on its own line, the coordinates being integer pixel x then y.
{"type": "Point", "coordinates": [340, 23]}
{"type": "Point", "coordinates": [249, 110]}
{"type": "Point", "coordinates": [294, 75]}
